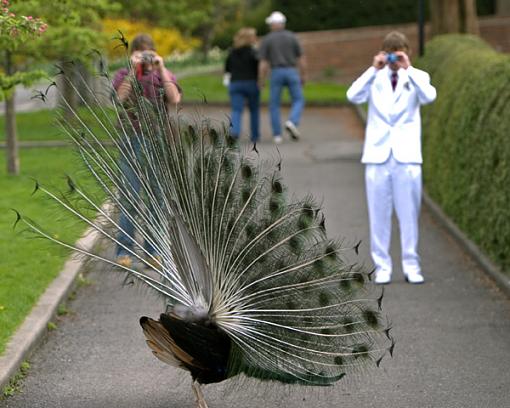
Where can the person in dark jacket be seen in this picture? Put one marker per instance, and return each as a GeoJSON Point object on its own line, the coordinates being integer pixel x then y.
{"type": "Point", "coordinates": [242, 65]}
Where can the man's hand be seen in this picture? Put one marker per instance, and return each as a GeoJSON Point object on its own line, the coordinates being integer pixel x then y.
{"type": "Point", "coordinates": [379, 60]}
{"type": "Point", "coordinates": [158, 62]}
{"type": "Point", "coordinates": [135, 58]}
{"type": "Point", "coordinates": [403, 59]}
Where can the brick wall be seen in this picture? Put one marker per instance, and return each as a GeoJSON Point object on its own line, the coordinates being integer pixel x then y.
{"type": "Point", "coordinates": [344, 54]}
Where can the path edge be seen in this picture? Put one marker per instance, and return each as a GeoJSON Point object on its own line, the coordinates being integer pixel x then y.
{"type": "Point", "coordinates": [489, 267]}
{"type": "Point", "coordinates": [35, 326]}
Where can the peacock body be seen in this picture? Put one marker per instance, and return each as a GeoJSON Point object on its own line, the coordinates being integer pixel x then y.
{"type": "Point", "coordinates": [253, 284]}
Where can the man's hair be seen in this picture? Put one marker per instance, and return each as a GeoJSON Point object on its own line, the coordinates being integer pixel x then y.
{"type": "Point", "coordinates": [142, 42]}
{"type": "Point", "coordinates": [395, 41]}
{"type": "Point", "coordinates": [245, 36]}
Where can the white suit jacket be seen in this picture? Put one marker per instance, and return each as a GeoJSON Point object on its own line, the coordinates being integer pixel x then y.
{"type": "Point", "coordinates": [393, 123]}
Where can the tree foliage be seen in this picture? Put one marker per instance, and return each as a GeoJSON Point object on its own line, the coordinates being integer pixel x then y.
{"type": "Point", "coordinates": [15, 32]}
{"type": "Point", "coordinates": [74, 26]}
{"type": "Point", "coordinates": [332, 14]}
{"type": "Point", "coordinates": [201, 18]}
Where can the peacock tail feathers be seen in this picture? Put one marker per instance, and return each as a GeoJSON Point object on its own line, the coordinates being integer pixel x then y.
{"type": "Point", "coordinates": [236, 250]}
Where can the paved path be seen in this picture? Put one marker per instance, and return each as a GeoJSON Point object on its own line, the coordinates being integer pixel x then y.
{"type": "Point", "coordinates": [453, 333]}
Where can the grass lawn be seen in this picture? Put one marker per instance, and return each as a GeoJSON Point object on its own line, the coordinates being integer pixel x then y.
{"type": "Point", "coordinates": [29, 264]}
{"type": "Point", "coordinates": [42, 125]}
{"type": "Point", "coordinates": [210, 85]}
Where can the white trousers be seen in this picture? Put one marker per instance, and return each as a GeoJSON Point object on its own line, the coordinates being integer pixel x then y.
{"type": "Point", "coordinates": [394, 185]}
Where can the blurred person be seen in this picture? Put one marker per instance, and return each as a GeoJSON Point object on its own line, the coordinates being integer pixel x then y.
{"type": "Point", "coordinates": [281, 53]}
{"type": "Point", "coordinates": [242, 67]}
{"type": "Point", "coordinates": [147, 68]}
{"type": "Point", "coordinates": [394, 90]}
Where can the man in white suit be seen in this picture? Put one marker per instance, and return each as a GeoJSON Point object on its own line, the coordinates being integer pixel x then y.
{"type": "Point", "coordinates": [392, 156]}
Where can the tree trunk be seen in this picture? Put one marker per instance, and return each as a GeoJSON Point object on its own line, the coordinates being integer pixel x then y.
{"type": "Point", "coordinates": [207, 37]}
{"type": "Point", "coordinates": [444, 16]}
{"type": "Point", "coordinates": [12, 140]}
{"type": "Point", "coordinates": [68, 94]}
{"type": "Point", "coordinates": [10, 125]}
{"type": "Point", "coordinates": [503, 7]}
{"type": "Point", "coordinates": [470, 25]}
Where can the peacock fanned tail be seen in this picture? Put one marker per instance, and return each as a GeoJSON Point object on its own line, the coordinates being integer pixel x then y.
{"type": "Point", "coordinates": [252, 281]}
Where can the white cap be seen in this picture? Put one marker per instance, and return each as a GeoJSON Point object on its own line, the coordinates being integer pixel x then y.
{"type": "Point", "coordinates": [276, 17]}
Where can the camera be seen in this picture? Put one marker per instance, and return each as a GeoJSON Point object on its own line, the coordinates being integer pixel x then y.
{"type": "Point", "coordinates": [147, 58]}
{"type": "Point", "coordinates": [391, 58]}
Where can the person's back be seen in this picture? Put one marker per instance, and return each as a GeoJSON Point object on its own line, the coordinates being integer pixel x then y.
{"type": "Point", "coordinates": [242, 66]}
{"type": "Point", "coordinates": [281, 49]}
{"type": "Point", "coordinates": [281, 53]}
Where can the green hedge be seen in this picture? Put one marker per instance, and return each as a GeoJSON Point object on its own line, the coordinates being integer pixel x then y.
{"type": "Point", "coordinates": [466, 141]}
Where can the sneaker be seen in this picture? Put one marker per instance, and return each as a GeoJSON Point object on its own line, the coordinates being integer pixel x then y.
{"type": "Point", "coordinates": [292, 130]}
{"type": "Point", "coordinates": [382, 277]}
{"type": "Point", "coordinates": [415, 278]}
{"type": "Point", "coordinates": [277, 139]}
{"type": "Point", "coordinates": [124, 260]}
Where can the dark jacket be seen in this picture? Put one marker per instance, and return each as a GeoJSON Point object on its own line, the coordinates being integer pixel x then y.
{"type": "Point", "coordinates": [242, 64]}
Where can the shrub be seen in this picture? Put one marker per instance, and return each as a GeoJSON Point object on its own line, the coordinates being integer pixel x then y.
{"type": "Point", "coordinates": [466, 147]}
{"type": "Point", "coordinates": [167, 40]}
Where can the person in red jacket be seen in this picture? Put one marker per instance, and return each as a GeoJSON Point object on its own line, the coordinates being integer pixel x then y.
{"type": "Point", "coordinates": [147, 67]}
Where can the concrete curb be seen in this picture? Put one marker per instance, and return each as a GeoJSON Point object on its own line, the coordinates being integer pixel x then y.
{"type": "Point", "coordinates": [32, 331]}
{"type": "Point", "coordinates": [491, 269]}
{"type": "Point", "coordinates": [502, 280]}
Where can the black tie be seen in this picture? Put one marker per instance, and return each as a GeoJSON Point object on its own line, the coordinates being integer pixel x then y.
{"type": "Point", "coordinates": [394, 80]}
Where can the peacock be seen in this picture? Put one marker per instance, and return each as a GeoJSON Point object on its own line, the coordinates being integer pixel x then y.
{"type": "Point", "coordinates": [251, 281]}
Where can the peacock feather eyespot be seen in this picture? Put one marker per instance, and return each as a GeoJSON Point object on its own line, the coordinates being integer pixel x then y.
{"type": "Point", "coordinates": [231, 142]}
{"type": "Point", "coordinates": [246, 171]}
{"type": "Point", "coordinates": [360, 351]}
{"type": "Point", "coordinates": [280, 265]}
{"type": "Point", "coordinates": [295, 244]}
{"type": "Point", "coordinates": [328, 331]}
{"type": "Point", "coordinates": [227, 166]}
{"type": "Point", "coordinates": [274, 205]}
{"type": "Point", "coordinates": [308, 211]}
{"type": "Point", "coordinates": [358, 279]}
{"type": "Point", "coordinates": [324, 299]}
{"type": "Point", "coordinates": [192, 133]}
{"type": "Point", "coordinates": [330, 252]}
{"type": "Point", "coordinates": [371, 318]}
{"type": "Point", "coordinates": [263, 259]}
{"type": "Point", "coordinates": [277, 187]}
{"type": "Point", "coordinates": [345, 284]}
{"type": "Point", "coordinates": [319, 266]}
{"type": "Point", "coordinates": [304, 221]}
{"type": "Point", "coordinates": [251, 230]}
{"type": "Point", "coordinates": [245, 195]}
{"type": "Point", "coordinates": [348, 324]}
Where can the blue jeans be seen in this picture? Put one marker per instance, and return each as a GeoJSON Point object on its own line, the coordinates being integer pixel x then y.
{"type": "Point", "coordinates": [241, 91]}
{"type": "Point", "coordinates": [288, 77]}
{"type": "Point", "coordinates": [126, 238]}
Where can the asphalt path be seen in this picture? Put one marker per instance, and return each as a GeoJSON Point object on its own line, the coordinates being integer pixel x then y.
{"type": "Point", "coordinates": [452, 333]}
